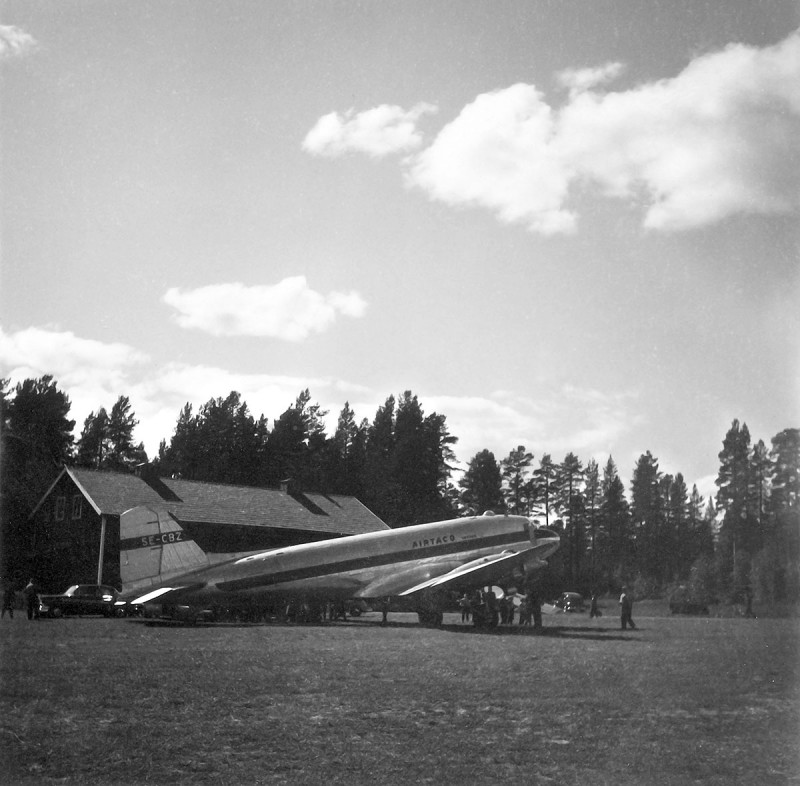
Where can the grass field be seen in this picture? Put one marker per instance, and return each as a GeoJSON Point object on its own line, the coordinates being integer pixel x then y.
{"type": "Point", "coordinates": [680, 700]}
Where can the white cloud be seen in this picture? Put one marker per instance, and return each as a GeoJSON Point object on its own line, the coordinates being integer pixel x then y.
{"type": "Point", "coordinates": [557, 421]}
{"type": "Point", "coordinates": [15, 42]}
{"type": "Point", "coordinates": [377, 132]}
{"type": "Point", "coordinates": [498, 153]}
{"type": "Point", "coordinates": [36, 351]}
{"type": "Point", "coordinates": [91, 373]}
{"type": "Point", "coordinates": [720, 139]}
{"type": "Point", "coordinates": [578, 80]}
{"type": "Point", "coordinates": [289, 310]}
{"type": "Point", "coordinates": [95, 375]}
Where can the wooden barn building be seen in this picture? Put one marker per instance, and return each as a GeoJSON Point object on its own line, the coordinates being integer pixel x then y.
{"type": "Point", "coordinates": [75, 525]}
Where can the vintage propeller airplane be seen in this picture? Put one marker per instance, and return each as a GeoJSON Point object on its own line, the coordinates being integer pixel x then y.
{"type": "Point", "coordinates": [420, 565]}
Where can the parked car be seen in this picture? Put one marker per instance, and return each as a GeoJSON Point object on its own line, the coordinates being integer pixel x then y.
{"type": "Point", "coordinates": [569, 601]}
{"type": "Point", "coordinates": [683, 602]}
{"type": "Point", "coordinates": [80, 599]}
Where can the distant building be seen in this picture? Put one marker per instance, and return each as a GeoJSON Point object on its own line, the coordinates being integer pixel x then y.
{"type": "Point", "coordinates": [75, 526]}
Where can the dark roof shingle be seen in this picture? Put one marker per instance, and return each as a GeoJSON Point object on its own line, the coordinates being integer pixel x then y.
{"type": "Point", "coordinates": [113, 493]}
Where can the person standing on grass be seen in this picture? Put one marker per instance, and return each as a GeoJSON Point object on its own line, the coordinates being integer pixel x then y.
{"type": "Point", "coordinates": [593, 610]}
{"type": "Point", "coordinates": [536, 608]}
{"type": "Point", "coordinates": [8, 601]}
{"type": "Point", "coordinates": [32, 600]}
{"type": "Point", "coordinates": [464, 605]}
{"type": "Point", "coordinates": [626, 609]}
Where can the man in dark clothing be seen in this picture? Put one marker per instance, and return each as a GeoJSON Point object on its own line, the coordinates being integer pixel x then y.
{"type": "Point", "coordinates": [536, 608]}
{"type": "Point", "coordinates": [626, 609]}
{"type": "Point", "coordinates": [32, 600]}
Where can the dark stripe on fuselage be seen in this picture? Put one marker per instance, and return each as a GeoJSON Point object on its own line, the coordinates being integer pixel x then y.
{"type": "Point", "coordinates": [375, 561]}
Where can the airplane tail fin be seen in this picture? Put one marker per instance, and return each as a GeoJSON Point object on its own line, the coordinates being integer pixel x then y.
{"type": "Point", "coordinates": [153, 548]}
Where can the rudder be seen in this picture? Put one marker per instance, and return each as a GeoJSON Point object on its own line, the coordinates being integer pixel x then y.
{"type": "Point", "coordinates": [153, 547]}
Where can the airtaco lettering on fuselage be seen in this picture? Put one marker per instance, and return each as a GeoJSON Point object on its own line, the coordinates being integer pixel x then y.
{"type": "Point", "coordinates": [420, 544]}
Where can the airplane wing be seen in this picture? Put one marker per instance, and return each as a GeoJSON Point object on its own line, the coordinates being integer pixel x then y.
{"type": "Point", "coordinates": [162, 594]}
{"type": "Point", "coordinates": [476, 573]}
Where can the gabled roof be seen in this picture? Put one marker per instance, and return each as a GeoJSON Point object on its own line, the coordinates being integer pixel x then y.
{"type": "Point", "coordinates": [112, 493]}
{"type": "Point", "coordinates": [250, 506]}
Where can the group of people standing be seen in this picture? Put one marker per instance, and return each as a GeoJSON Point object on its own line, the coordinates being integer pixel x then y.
{"type": "Point", "coordinates": [527, 609]}
{"type": "Point", "coordinates": [31, 593]}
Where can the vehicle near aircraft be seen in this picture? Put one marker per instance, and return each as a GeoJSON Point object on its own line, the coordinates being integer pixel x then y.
{"type": "Point", "coordinates": [417, 566]}
{"type": "Point", "coordinates": [80, 599]}
{"type": "Point", "coordinates": [569, 601]}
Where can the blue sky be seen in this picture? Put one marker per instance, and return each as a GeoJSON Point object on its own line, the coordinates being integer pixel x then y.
{"type": "Point", "coordinates": [571, 226]}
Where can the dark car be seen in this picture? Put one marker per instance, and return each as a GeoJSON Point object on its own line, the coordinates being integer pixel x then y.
{"type": "Point", "coordinates": [80, 599]}
{"type": "Point", "coordinates": [569, 601]}
{"type": "Point", "coordinates": [682, 601]}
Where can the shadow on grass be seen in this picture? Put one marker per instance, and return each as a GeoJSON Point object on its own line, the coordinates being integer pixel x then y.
{"type": "Point", "coordinates": [597, 633]}
{"type": "Point", "coordinates": [551, 631]}
{"type": "Point", "coordinates": [554, 631]}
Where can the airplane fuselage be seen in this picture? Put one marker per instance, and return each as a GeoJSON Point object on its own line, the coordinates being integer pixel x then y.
{"type": "Point", "coordinates": [372, 565]}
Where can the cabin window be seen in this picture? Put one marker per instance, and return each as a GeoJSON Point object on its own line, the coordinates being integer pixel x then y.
{"type": "Point", "coordinates": [77, 506]}
{"type": "Point", "coordinates": [61, 506]}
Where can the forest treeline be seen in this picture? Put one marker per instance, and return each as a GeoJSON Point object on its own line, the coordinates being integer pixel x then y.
{"type": "Point", "coordinates": [654, 534]}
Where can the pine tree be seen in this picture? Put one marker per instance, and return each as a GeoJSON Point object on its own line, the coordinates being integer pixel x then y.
{"type": "Point", "coordinates": [380, 489]}
{"type": "Point", "coordinates": [347, 454]}
{"type": "Point", "coordinates": [785, 478]}
{"type": "Point", "coordinates": [297, 442]}
{"type": "Point", "coordinates": [738, 537]}
{"type": "Point", "coordinates": [93, 442]}
{"type": "Point", "coordinates": [36, 442]}
{"type": "Point", "coordinates": [221, 444]}
{"type": "Point", "coordinates": [760, 470]}
{"type": "Point", "coordinates": [482, 485]}
{"type": "Point", "coordinates": [518, 488]}
{"type": "Point", "coordinates": [572, 504]}
{"type": "Point", "coordinates": [677, 538]}
{"type": "Point", "coordinates": [409, 468]}
{"type": "Point", "coordinates": [647, 510]}
{"type": "Point", "coordinates": [439, 458]}
{"type": "Point", "coordinates": [593, 497]}
{"type": "Point", "coordinates": [618, 555]}
{"type": "Point", "coordinates": [701, 526]}
{"type": "Point", "coordinates": [785, 512]}
{"type": "Point", "coordinates": [545, 489]}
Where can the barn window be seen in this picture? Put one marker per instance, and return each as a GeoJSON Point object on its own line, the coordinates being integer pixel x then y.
{"type": "Point", "coordinates": [77, 506]}
{"type": "Point", "coordinates": [61, 507]}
